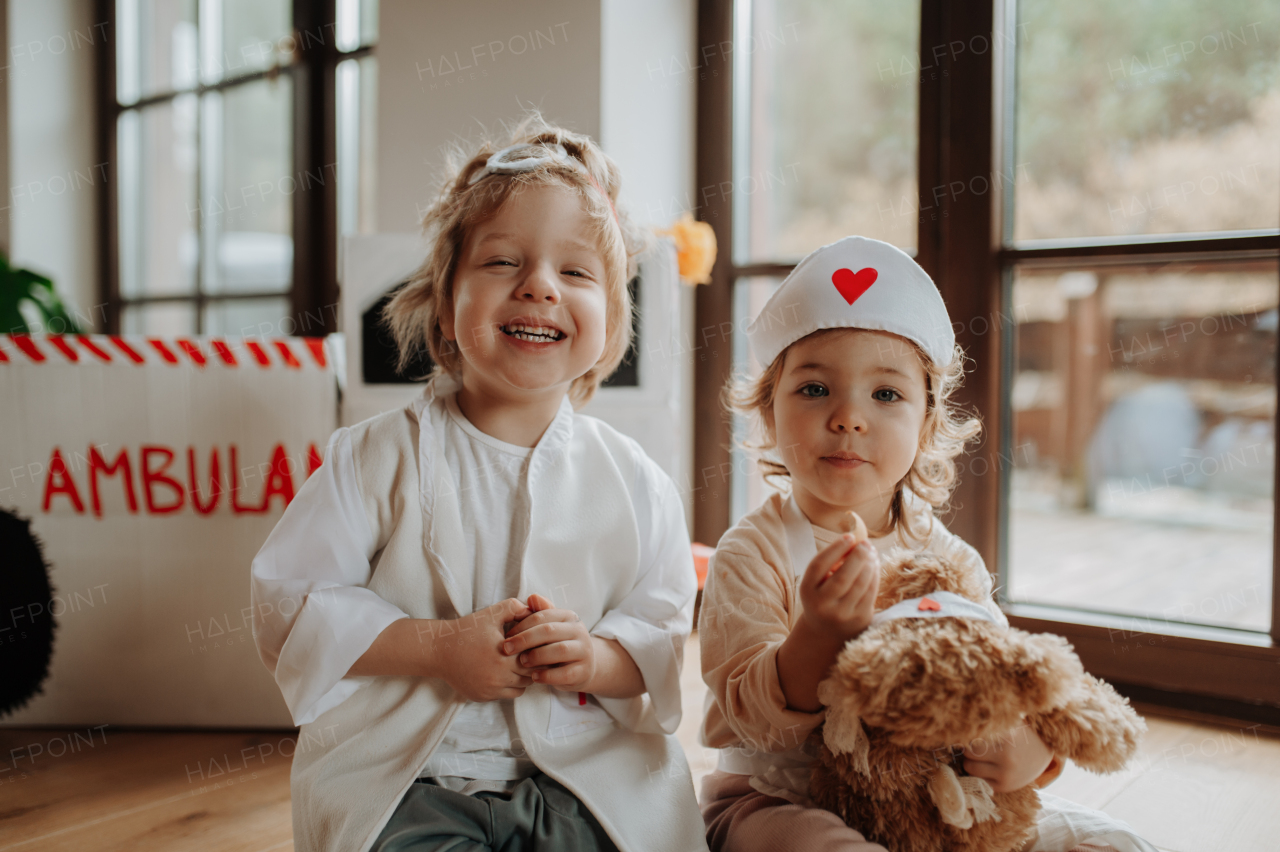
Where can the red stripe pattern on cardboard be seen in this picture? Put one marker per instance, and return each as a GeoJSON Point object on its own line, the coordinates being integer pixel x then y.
{"type": "Point", "coordinates": [292, 353]}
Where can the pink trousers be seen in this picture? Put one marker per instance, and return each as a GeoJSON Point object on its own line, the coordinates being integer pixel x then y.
{"type": "Point", "coordinates": [739, 818]}
{"type": "Point", "coordinates": [742, 819]}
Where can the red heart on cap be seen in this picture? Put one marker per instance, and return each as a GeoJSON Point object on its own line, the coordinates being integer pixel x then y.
{"type": "Point", "coordinates": [928, 604]}
{"type": "Point", "coordinates": [852, 284]}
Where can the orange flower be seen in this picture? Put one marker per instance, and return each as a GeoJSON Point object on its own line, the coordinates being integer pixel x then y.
{"type": "Point", "coordinates": [695, 248]}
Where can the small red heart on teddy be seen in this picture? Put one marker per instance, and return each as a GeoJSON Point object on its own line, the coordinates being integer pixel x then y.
{"type": "Point", "coordinates": [928, 604]}
{"type": "Point", "coordinates": [851, 285]}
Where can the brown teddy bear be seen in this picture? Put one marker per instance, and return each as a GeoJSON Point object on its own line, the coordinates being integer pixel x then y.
{"type": "Point", "coordinates": [905, 697]}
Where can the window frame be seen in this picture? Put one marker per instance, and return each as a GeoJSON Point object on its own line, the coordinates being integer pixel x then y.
{"type": "Point", "coordinates": [965, 129]}
{"type": "Point", "coordinates": [313, 288]}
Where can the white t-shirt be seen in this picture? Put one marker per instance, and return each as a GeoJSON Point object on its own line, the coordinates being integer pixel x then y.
{"type": "Point", "coordinates": [493, 496]}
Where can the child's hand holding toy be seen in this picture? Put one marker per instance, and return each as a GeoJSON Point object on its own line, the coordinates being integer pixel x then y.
{"type": "Point", "coordinates": [1012, 760]}
{"type": "Point", "coordinates": [839, 587]}
{"type": "Point", "coordinates": [838, 597]}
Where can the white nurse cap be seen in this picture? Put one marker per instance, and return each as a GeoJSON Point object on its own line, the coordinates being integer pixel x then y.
{"type": "Point", "coordinates": [855, 282]}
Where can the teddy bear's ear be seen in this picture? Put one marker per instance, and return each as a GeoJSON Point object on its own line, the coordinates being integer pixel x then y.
{"type": "Point", "coordinates": [1096, 727]}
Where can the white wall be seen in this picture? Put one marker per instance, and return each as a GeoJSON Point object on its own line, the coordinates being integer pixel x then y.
{"type": "Point", "coordinates": [616, 71]}
{"type": "Point", "coordinates": [647, 125]}
{"type": "Point", "coordinates": [54, 169]}
{"type": "Point", "coordinates": [647, 103]}
{"type": "Point", "coordinates": [449, 71]}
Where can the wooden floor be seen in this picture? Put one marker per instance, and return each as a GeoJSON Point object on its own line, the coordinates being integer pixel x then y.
{"type": "Point", "coordinates": [1195, 788]}
{"type": "Point", "coordinates": [214, 792]}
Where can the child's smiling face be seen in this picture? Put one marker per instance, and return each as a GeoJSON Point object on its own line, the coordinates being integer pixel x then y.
{"type": "Point", "coordinates": [529, 301]}
{"type": "Point", "coordinates": [847, 412]}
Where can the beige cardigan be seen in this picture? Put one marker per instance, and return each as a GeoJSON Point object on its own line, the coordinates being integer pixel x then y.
{"type": "Point", "coordinates": [356, 760]}
{"type": "Point", "coordinates": [749, 605]}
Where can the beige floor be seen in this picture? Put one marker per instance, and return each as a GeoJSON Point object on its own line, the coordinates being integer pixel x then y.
{"type": "Point", "coordinates": [1195, 788]}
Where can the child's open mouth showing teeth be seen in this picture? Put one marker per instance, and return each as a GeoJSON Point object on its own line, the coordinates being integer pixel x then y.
{"type": "Point", "coordinates": [532, 333]}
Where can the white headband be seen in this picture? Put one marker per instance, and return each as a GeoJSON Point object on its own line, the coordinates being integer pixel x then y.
{"type": "Point", "coordinates": [525, 157]}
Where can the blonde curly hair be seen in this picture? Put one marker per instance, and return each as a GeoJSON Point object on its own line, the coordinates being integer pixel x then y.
{"type": "Point", "coordinates": [945, 432]}
{"type": "Point", "coordinates": [413, 314]}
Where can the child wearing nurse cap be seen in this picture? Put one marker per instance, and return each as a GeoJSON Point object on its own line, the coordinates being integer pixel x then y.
{"type": "Point", "coordinates": [855, 414]}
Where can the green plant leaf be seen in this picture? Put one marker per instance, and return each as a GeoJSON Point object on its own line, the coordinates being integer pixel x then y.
{"type": "Point", "coordinates": [23, 285]}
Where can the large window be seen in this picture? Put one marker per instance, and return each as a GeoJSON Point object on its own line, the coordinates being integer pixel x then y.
{"type": "Point", "coordinates": [1141, 119]}
{"type": "Point", "coordinates": [825, 142]}
{"type": "Point", "coordinates": [1143, 446]}
{"type": "Point", "coordinates": [1143, 394]}
{"type": "Point", "coordinates": [222, 196]}
{"type": "Point", "coordinates": [1095, 187]}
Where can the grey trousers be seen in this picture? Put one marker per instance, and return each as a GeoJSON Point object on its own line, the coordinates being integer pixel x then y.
{"type": "Point", "coordinates": [539, 816]}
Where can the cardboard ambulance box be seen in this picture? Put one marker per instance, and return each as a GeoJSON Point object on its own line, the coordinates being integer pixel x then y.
{"type": "Point", "coordinates": [152, 470]}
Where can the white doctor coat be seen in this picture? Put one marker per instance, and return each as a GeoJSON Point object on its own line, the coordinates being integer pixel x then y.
{"type": "Point", "coordinates": [373, 537]}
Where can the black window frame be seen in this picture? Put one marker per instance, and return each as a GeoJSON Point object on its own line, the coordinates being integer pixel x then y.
{"type": "Point", "coordinates": [313, 290]}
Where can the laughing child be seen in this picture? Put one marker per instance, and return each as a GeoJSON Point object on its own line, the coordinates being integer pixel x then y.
{"type": "Point", "coordinates": [476, 608]}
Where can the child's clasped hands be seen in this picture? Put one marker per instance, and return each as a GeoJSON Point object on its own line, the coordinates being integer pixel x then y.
{"type": "Point", "coordinates": [515, 645]}
{"type": "Point", "coordinates": [553, 644]}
